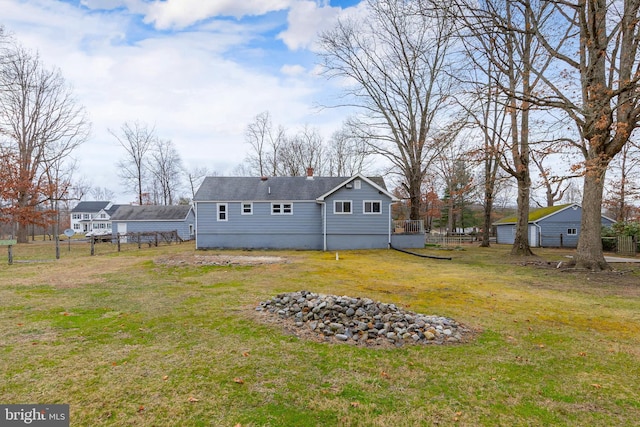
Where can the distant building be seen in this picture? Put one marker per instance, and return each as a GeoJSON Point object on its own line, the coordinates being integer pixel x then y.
{"type": "Point", "coordinates": [155, 218]}
{"type": "Point", "coordinates": [554, 226]}
{"type": "Point", "coordinates": [92, 217]}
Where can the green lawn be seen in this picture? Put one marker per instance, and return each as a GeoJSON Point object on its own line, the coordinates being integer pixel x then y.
{"type": "Point", "coordinates": [127, 340]}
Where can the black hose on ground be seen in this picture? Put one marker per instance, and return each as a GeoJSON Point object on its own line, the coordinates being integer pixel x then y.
{"type": "Point", "coordinates": [420, 255]}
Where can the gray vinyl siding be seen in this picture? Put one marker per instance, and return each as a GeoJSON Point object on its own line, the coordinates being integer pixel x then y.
{"type": "Point", "coordinates": [182, 227]}
{"type": "Point", "coordinates": [300, 230]}
{"type": "Point", "coordinates": [550, 229]}
{"type": "Point", "coordinates": [358, 230]}
{"type": "Point", "coordinates": [357, 224]}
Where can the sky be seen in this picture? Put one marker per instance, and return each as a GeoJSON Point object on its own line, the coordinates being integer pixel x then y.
{"type": "Point", "coordinates": [197, 70]}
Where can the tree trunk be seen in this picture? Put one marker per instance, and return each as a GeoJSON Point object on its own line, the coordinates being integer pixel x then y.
{"type": "Point", "coordinates": [415, 197]}
{"type": "Point", "coordinates": [486, 228]}
{"type": "Point", "coordinates": [589, 253]}
{"type": "Point", "coordinates": [521, 240]}
{"type": "Point", "coordinates": [22, 233]}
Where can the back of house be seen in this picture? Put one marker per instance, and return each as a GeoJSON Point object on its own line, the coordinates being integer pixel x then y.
{"type": "Point", "coordinates": [293, 213]}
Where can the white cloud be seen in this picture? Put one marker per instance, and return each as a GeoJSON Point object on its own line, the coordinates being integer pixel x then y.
{"type": "Point", "coordinates": [293, 70]}
{"type": "Point", "coordinates": [306, 19]}
{"type": "Point", "coordinates": [187, 84]}
{"type": "Point", "coordinates": [183, 13]}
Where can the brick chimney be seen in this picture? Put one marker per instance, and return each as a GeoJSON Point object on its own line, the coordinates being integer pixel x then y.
{"type": "Point", "coordinates": [309, 173]}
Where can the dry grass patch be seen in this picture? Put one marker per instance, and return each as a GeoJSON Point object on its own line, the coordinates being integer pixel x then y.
{"type": "Point", "coordinates": [151, 343]}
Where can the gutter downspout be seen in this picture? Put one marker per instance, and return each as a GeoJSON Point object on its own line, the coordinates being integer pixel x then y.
{"type": "Point", "coordinates": [324, 225]}
{"type": "Point", "coordinates": [389, 225]}
{"type": "Point", "coordinates": [195, 211]}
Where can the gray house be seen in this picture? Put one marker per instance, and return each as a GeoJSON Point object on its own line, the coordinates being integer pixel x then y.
{"type": "Point", "coordinates": [152, 218]}
{"type": "Point", "coordinates": [554, 226]}
{"type": "Point", "coordinates": [320, 213]}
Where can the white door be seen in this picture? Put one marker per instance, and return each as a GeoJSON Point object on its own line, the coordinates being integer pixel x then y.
{"type": "Point", "coordinates": [122, 231]}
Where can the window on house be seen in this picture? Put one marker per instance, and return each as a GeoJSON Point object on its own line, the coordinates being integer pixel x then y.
{"type": "Point", "coordinates": [222, 211]}
{"type": "Point", "coordinates": [281, 208]}
{"type": "Point", "coordinates": [572, 232]}
{"type": "Point", "coordinates": [372, 207]}
{"type": "Point", "coordinates": [86, 216]}
{"type": "Point", "coordinates": [247, 208]}
{"type": "Point", "coordinates": [76, 226]}
{"type": "Point", "coordinates": [342, 207]}
{"type": "Point", "coordinates": [77, 216]}
{"type": "Point", "coordinates": [357, 184]}
{"type": "Point", "coordinates": [103, 215]}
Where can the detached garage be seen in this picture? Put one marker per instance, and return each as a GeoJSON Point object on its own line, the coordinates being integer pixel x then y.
{"type": "Point", "coordinates": [554, 226]}
{"type": "Point", "coordinates": [152, 218]}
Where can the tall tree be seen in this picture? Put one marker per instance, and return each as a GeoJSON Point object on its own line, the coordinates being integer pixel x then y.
{"type": "Point", "coordinates": [595, 45]}
{"type": "Point", "coordinates": [137, 139]}
{"type": "Point", "coordinates": [166, 167]}
{"type": "Point", "coordinates": [40, 123]}
{"type": "Point", "coordinates": [395, 61]}
{"type": "Point", "coordinates": [347, 153]}
{"type": "Point", "coordinates": [501, 32]}
{"type": "Point", "coordinates": [301, 151]}
{"type": "Point", "coordinates": [485, 105]}
{"type": "Point", "coordinates": [265, 142]}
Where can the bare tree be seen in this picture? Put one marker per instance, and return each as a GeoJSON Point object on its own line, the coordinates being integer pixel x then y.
{"type": "Point", "coordinates": [166, 166]}
{"type": "Point", "coordinates": [554, 185]}
{"type": "Point", "coordinates": [195, 176]}
{"type": "Point", "coordinates": [301, 151]}
{"type": "Point", "coordinates": [624, 184]}
{"type": "Point", "coordinates": [501, 32]}
{"type": "Point", "coordinates": [595, 46]}
{"type": "Point", "coordinates": [347, 153]}
{"type": "Point", "coordinates": [459, 187]}
{"type": "Point", "coordinates": [485, 105]}
{"type": "Point", "coordinates": [101, 193]}
{"type": "Point", "coordinates": [265, 142]}
{"type": "Point", "coordinates": [137, 139]}
{"type": "Point", "coordinates": [40, 122]}
{"type": "Point", "coordinates": [394, 61]}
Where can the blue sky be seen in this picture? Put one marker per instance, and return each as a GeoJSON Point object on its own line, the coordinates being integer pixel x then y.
{"type": "Point", "coordinates": [199, 70]}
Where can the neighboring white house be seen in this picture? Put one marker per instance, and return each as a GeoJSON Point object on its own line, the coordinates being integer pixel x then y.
{"type": "Point", "coordinates": [93, 217]}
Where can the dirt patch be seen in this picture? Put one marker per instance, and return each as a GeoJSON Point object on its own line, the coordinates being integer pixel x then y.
{"type": "Point", "coordinates": [623, 280]}
{"type": "Point", "coordinates": [221, 260]}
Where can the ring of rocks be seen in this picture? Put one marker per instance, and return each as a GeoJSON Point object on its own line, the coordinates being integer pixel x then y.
{"type": "Point", "coordinates": [359, 321]}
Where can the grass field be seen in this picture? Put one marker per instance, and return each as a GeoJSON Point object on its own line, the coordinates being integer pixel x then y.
{"type": "Point", "coordinates": [125, 339]}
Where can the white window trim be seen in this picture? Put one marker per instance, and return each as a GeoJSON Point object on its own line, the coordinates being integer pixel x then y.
{"type": "Point", "coordinates": [281, 205]}
{"type": "Point", "coordinates": [569, 231]}
{"type": "Point", "coordinates": [357, 184]}
{"type": "Point", "coordinates": [364, 204]}
{"type": "Point", "coordinates": [335, 203]}
{"type": "Point", "coordinates": [226, 212]}
{"type": "Point", "coordinates": [242, 205]}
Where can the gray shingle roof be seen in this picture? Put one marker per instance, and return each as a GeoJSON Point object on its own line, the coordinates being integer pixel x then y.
{"type": "Point", "coordinates": [216, 188]}
{"type": "Point", "coordinates": [151, 213]}
{"type": "Point", "coordinates": [93, 206]}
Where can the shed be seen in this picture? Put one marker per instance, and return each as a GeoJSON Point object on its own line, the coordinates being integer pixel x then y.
{"type": "Point", "coordinates": [154, 218]}
{"type": "Point", "coordinates": [553, 226]}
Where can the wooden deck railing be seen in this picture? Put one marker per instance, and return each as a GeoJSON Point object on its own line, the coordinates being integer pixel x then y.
{"type": "Point", "coordinates": [408, 226]}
